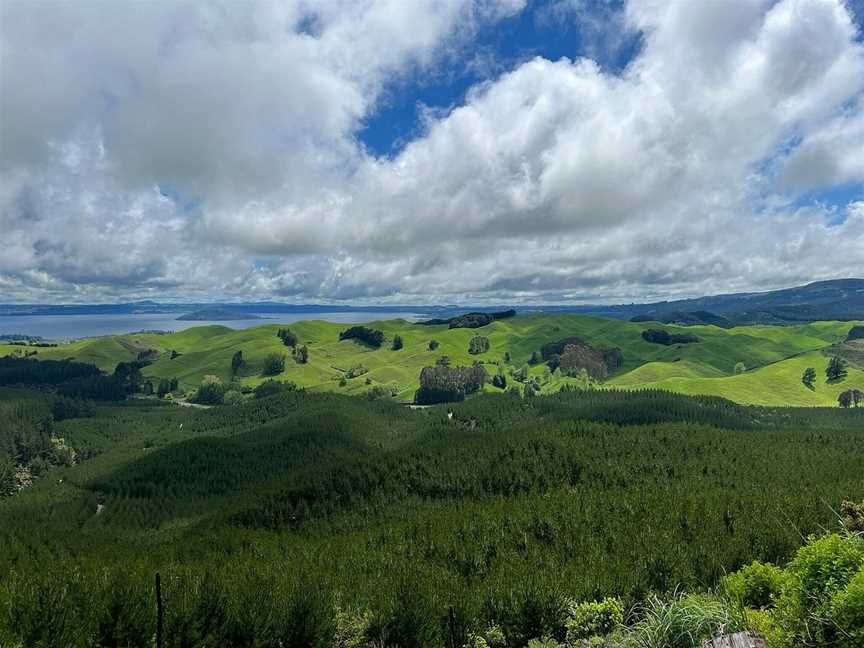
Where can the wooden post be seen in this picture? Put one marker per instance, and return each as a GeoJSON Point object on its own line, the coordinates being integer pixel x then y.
{"type": "Point", "coordinates": [452, 623]}
{"type": "Point", "coordinates": [159, 612]}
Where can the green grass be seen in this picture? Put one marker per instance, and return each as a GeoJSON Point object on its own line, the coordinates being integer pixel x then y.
{"type": "Point", "coordinates": [775, 356]}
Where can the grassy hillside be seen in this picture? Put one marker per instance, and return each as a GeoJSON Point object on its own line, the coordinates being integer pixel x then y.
{"type": "Point", "coordinates": [774, 357]}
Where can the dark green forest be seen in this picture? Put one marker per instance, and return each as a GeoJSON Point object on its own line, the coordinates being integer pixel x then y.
{"type": "Point", "coordinates": [291, 517]}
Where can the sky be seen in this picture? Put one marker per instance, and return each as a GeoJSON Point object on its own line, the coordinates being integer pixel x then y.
{"type": "Point", "coordinates": [428, 151]}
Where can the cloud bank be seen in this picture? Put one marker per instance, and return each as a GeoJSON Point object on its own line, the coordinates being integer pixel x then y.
{"type": "Point", "coordinates": [184, 150]}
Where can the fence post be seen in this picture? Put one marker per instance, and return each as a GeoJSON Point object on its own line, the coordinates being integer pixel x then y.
{"type": "Point", "coordinates": [159, 612]}
{"type": "Point", "coordinates": [452, 624]}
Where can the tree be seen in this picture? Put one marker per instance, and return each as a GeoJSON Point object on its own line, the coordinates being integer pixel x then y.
{"type": "Point", "coordinates": [845, 398]}
{"type": "Point", "coordinates": [478, 344]}
{"type": "Point", "coordinates": [288, 338]}
{"type": "Point", "coordinates": [507, 357]}
{"type": "Point", "coordinates": [301, 354]}
{"type": "Point", "coordinates": [370, 337]}
{"type": "Point", "coordinates": [443, 361]}
{"type": "Point", "coordinates": [433, 344]}
{"type": "Point", "coordinates": [809, 377]}
{"type": "Point", "coordinates": [740, 368]}
{"type": "Point", "coordinates": [397, 342]}
{"type": "Point", "coordinates": [236, 362]}
{"type": "Point", "coordinates": [274, 364]}
{"type": "Point", "coordinates": [535, 358]}
{"type": "Point", "coordinates": [163, 388]}
{"type": "Point", "coordinates": [851, 398]}
{"type": "Point", "coordinates": [836, 369]}
{"type": "Point", "coordinates": [210, 392]}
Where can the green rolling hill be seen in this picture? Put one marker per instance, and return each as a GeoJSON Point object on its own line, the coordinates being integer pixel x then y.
{"type": "Point", "coordinates": [773, 357]}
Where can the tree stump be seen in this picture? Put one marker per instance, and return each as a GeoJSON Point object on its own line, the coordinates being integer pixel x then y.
{"type": "Point", "coordinates": [737, 640]}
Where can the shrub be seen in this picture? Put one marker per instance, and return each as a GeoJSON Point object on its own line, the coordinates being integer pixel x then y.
{"type": "Point", "coordinates": [757, 585]}
{"type": "Point", "coordinates": [594, 618]}
{"type": "Point", "coordinates": [433, 344]}
{"type": "Point", "coordinates": [351, 629]}
{"type": "Point", "coordinates": [847, 611]}
{"type": "Point", "coordinates": [817, 575]}
{"type": "Point", "coordinates": [274, 364]}
{"type": "Point", "coordinates": [683, 622]}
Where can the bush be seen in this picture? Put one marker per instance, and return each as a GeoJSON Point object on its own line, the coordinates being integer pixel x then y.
{"type": "Point", "coordinates": [594, 618]}
{"type": "Point", "coordinates": [813, 591]}
{"type": "Point", "coordinates": [274, 364]}
{"type": "Point", "coordinates": [433, 344]}
{"type": "Point", "coordinates": [757, 585]}
{"type": "Point", "coordinates": [351, 629]}
{"type": "Point", "coordinates": [683, 622]}
{"type": "Point", "coordinates": [847, 611]}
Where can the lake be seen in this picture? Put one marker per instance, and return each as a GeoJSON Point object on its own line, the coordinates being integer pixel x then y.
{"type": "Point", "coordinates": [57, 327]}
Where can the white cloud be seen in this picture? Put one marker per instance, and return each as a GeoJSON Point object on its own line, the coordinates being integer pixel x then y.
{"type": "Point", "coordinates": [557, 180]}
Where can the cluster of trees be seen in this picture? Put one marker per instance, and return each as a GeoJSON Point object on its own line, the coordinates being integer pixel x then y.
{"type": "Point", "coordinates": [29, 445]}
{"type": "Point", "coordinates": [19, 371]}
{"type": "Point", "coordinates": [371, 337]}
{"type": "Point", "coordinates": [572, 355]}
{"type": "Point", "coordinates": [301, 354]}
{"type": "Point", "coordinates": [273, 387]}
{"type": "Point", "coordinates": [274, 364]}
{"type": "Point", "coordinates": [471, 320]}
{"type": "Point", "coordinates": [478, 344]}
{"type": "Point", "coordinates": [166, 386]}
{"type": "Point", "coordinates": [443, 384]}
{"type": "Point", "coordinates": [660, 336]}
{"type": "Point", "coordinates": [287, 337]}
{"type": "Point", "coordinates": [850, 398]}
{"type": "Point", "coordinates": [356, 370]}
{"type": "Point", "coordinates": [855, 333]}
{"type": "Point", "coordinates": [509, 511]}
{"type": "Point", "coordinates": [836, 369]}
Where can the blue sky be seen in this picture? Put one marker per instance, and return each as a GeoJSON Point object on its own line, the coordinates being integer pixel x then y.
{"type": "Point", "coordinates": [543, 29]}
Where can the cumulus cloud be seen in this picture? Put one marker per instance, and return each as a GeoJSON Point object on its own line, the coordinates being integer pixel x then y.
{"type": "Point", "coordinates": [212, 150]}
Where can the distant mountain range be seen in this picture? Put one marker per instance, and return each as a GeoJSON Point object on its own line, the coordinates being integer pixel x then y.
{"type": "Point", "coordinates": [838, 299]}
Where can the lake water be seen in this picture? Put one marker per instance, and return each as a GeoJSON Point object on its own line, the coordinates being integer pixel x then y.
{"type": "Point", "coordinates": [56, 327]}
